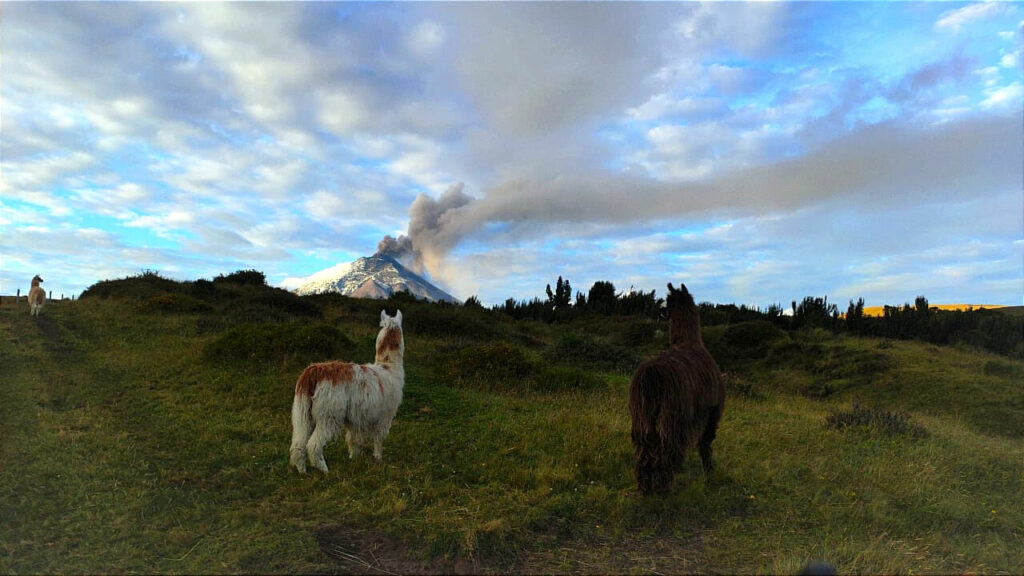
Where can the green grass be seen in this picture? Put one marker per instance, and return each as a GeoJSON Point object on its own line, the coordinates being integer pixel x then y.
{"type": "Point", "coordinates": [126, 447]}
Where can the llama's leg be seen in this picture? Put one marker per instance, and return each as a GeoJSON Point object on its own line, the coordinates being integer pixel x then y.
{"type": "Point", "coordinates": [380, 433]}
{"type": "Point", "coordinates": [710, 431]}
{"type": "Point", "coordinates": [644, 476]}
{"type": "Point", "coordinates": [322, 434]}
{"type": "Point", "coordinates": [651, 467]}
{"type": "Point", "coordinates": [354, 440]}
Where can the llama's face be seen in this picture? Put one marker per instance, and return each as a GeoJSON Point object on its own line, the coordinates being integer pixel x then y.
{"type": "Point", "coordinates": [386, 320]}
{"type": "Point", "coordinates": [678, 299]}
{"type": "Point", "coordinates": [36, 280]}
{"type": "Point", "coordinates": [390, 339]}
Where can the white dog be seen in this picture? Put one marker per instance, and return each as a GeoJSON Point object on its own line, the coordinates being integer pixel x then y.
{"type": "Point", "coordinates": [36, 296]}
{"type": "Point", "coordinates": [362, 398]}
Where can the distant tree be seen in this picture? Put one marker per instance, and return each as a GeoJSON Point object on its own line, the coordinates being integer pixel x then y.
{"type": "Point", "coordinates": [921, 305]}
{"type": "Point", "coordinates": [472, 302]}
{"type": "Point", "coordinates": [562, 296]}
{"type": "Point", "coordinates": [815, 313]}
{"type": "Point", "coordinates": [244, 277]}
{"type": "Point", "coordinates": [601, 298]}
{"type": "Point", "coordinates": [634, 303]}
{"type": "Point", "coordinates": [855, 316]}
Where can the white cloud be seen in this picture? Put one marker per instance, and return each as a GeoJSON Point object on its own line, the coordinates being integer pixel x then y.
{"type": "Point", "coordinates": [286, 134]}
{"type": "Point", "coordinates": [426, 38]}
{"type": "Point", "coordinates": [956, 19]}
{"type": "Point", "coordinates": [1005, 97]}
{"type": "Point", "coordinates": [340, 113]}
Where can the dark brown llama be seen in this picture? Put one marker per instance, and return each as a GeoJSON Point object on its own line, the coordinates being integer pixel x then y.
{"type": "Point", "coordinates": [675, 400]}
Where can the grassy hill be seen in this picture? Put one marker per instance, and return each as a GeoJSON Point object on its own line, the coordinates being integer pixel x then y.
{"type": "Point", "coordinates": [145, 428]}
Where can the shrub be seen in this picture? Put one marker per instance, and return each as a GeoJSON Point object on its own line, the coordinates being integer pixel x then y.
{"type": "Point", "coordinates": [752, 339]}
{"type": "Point", "coordinates": [451, 321]}
{"type": "Point", "coordinates": [203, 289]}
{"type": "Point", "coordinates": [142, 286]}
{"type": "Point", "coordinates": [242, 278]}
{"type": "Point", "coordinates": [565, 378]}
{"type": "Point", "coordinates": [285, 343]}
{"type": "Point", "coordinates": [593, 353]}
{"type": "Point", "coordinates": [741, 385]}
{"type": "Point", "coordinates": [174, 303]}
{"type": "Point", "coordinates": [277, 304]}
{"type": "Point", "coordinates": [734, 344]}
{"type": "Point", "coordinates": [874, 420]}
{"type": "Point", "coordinates": [488, 366]}
{"type": "Point", "coordinates": [505, 367]}
{"type": "Point", "coordinates": [794, 354]}
{"type": "Point", "coordinates": [634, 332]}
{"type": "Point", "coordinates": [1003, 369]}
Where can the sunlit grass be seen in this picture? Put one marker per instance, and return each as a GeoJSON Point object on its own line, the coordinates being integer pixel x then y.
{"type": "Point", "coordinates": [125, 450]}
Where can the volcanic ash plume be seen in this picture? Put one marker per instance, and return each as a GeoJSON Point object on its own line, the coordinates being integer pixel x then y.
{"type": "Point", "coordinates": [434, 229]}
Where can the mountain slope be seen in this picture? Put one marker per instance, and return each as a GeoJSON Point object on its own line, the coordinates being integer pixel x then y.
{"type": "Point", "coordinates": [375, 277]}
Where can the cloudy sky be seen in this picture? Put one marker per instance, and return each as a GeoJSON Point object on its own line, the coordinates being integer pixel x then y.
{"type": "Point", "coordinates": [759, 153]}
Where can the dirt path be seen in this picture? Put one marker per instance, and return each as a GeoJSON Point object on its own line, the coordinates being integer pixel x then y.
{"type": "Point", "coordinates": [358, 550]}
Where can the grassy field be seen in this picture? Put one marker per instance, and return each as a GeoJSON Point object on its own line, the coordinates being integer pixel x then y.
{"type": "Point", "coordinates": [148, 432]}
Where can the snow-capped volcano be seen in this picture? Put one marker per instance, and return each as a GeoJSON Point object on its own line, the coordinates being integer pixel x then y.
{"type": "Point", "coordinates": [377, 277]}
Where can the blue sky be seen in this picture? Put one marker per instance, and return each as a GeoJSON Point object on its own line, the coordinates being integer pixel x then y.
{"type": "Point", "coordinates": [758, 152]}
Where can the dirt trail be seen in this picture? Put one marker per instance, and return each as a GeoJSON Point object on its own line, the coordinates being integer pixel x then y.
{"type": "Point", "coordinates": [358, 550]}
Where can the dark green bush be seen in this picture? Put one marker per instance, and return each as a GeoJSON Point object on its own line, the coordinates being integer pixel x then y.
{"type": "Point", "coordinates": [874, 419]}
{"type": "Point", "coordinates": [741, 385]}
{"type": "Point", "coordinates": [794, 354]}
{"type": "Point", "coordinates": [750, 340]}
{"type": "Point", "coordinates": [1003, 369]}
{"type": "Point", "coordinates": [285, 343]}
{"type": "Point", "coordinates": [734, 345]}
{"type": "Point", "coordinates": [451, 321]}
{"type": "Point", "coordinates": [565, 378]}
{"type": "Point", "coordinates": [242, 278]}
{"type": "Point", "coordinates": [592, 353]}
{"type": "Point", "coordinates": [634, 332]}
{"type": "Point", "coordinates": [488, 366]}
{"type": "Point", "coordinates": [174, 303]}
{"type": "Point", "coordinates": [277, 304]}
{"type": "Point", "coordinates": [204, 289]}
{"type": "Point", "coordinates": [145, 285]}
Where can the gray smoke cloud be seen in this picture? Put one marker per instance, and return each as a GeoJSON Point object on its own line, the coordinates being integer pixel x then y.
{"type": "Point", "coordinates": [882, 166]}
{"type": "Point", "coordinates": [398, 248]}
{"type": "Point", "coordinates": [434, 230]}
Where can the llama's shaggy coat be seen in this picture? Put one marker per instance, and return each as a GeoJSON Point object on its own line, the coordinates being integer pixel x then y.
{"type": "Point", "coordinates": [361, 399]}
{"type": "Point", "coordinates": [36, 297]}
{"type": "Point", "coordinates": [675, 400]}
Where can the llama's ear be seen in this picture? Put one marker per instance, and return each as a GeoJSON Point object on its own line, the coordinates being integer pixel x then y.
{"type": "Point", "coordinates": [398, 318]}
{"type": "Point", "coordinates": [670, 288]}
{"type": "Point", "coordinates": [383, 316]}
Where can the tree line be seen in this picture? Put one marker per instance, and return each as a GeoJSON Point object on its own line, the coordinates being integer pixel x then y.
{"type": "Point", "coordinates": [989, 329]}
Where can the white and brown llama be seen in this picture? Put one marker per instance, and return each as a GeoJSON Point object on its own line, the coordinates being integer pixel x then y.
{"type": "Point", "coordinates": [361, 398]}
{"type": "Point", "coordinates": [36, 296]}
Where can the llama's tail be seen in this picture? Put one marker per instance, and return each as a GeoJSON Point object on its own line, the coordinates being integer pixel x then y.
{"type": "Point", "coordinates": [653, 468]}
{"type": "Point", "coordinates": [302, 427]}
{"type": "Point", "coordinates": [644, 404]}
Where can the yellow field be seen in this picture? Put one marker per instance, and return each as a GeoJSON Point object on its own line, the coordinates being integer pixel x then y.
{"type": "Point", "coordinates": [880, 310]}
